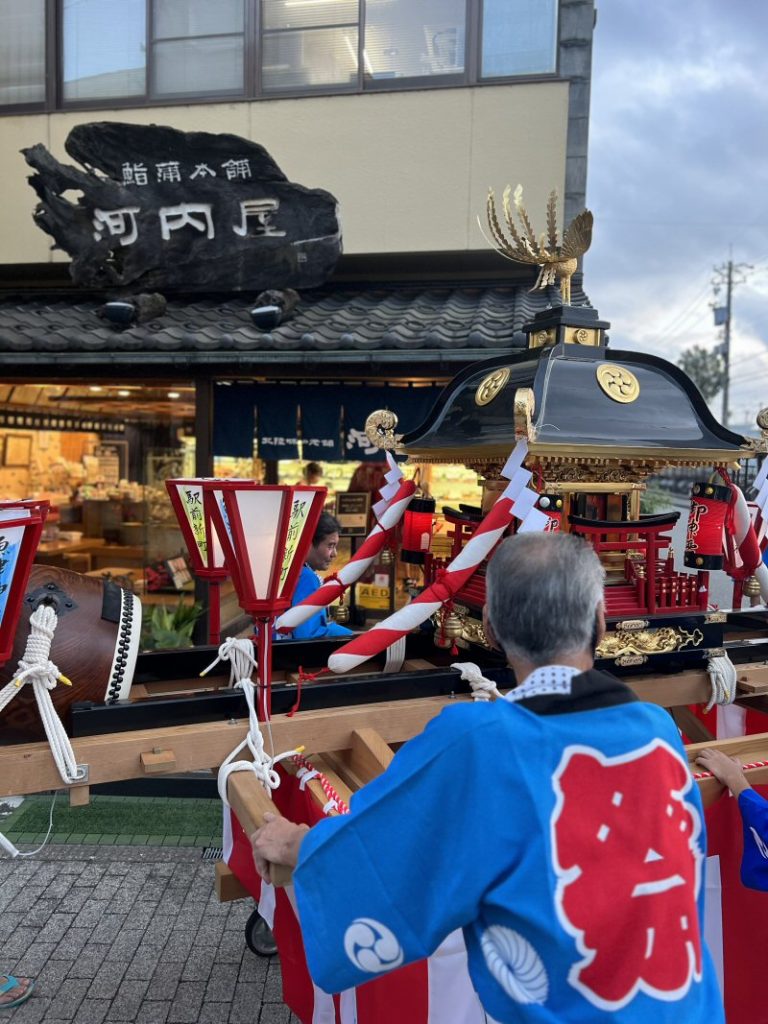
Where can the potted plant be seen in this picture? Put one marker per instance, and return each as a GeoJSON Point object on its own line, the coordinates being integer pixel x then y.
{"type": "Point", "coordinates": [171, 628]}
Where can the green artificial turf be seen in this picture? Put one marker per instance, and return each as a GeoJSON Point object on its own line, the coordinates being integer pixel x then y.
{"type": "Point", "coordinates": [113, 819]}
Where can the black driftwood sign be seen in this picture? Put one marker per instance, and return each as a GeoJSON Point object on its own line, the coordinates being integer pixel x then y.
{"type": "Point", "coordinates": [164, 208]}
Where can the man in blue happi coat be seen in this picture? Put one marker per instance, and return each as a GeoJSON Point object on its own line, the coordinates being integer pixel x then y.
{"type": "Point", "coordinates": [559, 827]}
{"type": "Point", "coordinates": [321, 554]}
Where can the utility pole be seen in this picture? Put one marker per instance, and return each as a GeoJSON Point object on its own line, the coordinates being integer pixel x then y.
{"type": "Point", "coordinates": [729, 274]}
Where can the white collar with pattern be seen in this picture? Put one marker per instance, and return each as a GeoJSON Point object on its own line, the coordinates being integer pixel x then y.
{"type": "Point", "coordinates": [545, 680]}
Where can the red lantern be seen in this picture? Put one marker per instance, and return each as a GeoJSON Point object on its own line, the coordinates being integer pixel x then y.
{"type": "Point", "coordinates": [706, 520]}
{"type": "Point", "coordinates": [21, 523]}
{"type": "Point", "coordinates": [265, 532]}
{"type": "Point", "coordinates": [418, 525]}
{"type": "Point", "coordinates": [552, 506]}
{"type": "Point", "coordinates": [205, 551]}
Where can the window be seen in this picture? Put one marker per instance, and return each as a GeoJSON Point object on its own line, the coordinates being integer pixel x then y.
{"type": "Point", "coordinates": [101, 59]}
{"type": "Point", "coordinates": [198, 47]}
{"type": "Point", "coordinates": [56, 54]}
{"type": "Point", "coordinates": [309, 44]}
{"type": "Point", "coordinates": [22, 51]}
{"type": "Point", "coordinates": [404, 39]}
{"type": "Point", "coordinates": [519, 37]}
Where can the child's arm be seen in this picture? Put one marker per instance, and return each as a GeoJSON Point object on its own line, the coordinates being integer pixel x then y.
{"type": "Point", "coordinates": [726, 769]}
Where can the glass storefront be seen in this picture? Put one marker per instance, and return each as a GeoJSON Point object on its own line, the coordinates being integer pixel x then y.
{"type": "Point", "coordinates": [100, 453]}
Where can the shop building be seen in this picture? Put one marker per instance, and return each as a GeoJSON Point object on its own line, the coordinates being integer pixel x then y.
{"type": "Point", "coordinates": [404, 112]}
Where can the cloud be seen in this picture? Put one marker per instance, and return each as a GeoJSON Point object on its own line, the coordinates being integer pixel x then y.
{"type": "Point", "coordinates": [677, 170]}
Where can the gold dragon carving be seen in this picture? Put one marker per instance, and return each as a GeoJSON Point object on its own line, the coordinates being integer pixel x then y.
{"type": "Point", "coordinates": [648, 641]}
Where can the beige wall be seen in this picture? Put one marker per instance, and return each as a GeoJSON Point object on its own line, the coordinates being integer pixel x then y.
{"type": "Point", "coordinates": [410, 170]}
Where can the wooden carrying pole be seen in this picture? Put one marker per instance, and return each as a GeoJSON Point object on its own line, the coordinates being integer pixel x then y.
{"type": "Point", "coordinates": [746, 749]}
{"type": "Point", "coordinates": [250, 802]}
{"type": "Point", "coordinates": [28, 768]}
{"type": "Point", "coordinates": [368, 756]}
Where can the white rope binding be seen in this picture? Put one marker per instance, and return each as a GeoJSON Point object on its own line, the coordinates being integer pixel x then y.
{"type": "Point", "coordinates": [36, 668]}
{"type": "Point", "coordinates": [240, 654]}
{"type": "Point", "coordinates": [482, 688]}
{"type": "Point", "coordinates": [722, 676]}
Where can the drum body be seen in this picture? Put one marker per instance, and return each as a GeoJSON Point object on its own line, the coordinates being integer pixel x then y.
{"type": "Point", "coordinates": [95, 645]}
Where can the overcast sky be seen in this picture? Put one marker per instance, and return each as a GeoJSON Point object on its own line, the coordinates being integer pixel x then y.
{"type": "Point", "coordinates": [678, 173]}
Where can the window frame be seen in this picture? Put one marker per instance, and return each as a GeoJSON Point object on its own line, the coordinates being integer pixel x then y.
{"type": "Point", "coordinates": [252, 88]}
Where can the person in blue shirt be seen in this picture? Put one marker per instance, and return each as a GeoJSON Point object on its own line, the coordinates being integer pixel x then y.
{"type": "Point", "coordinates": [322, 552]}
{"type": "Point", "coordinates": [754, 816]}
{"type": "Point", "coordinates": [559, 827]}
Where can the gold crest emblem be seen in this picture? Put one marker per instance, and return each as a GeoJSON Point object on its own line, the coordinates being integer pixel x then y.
{"type": "Point", "coordinates": [618, 382]}
{"type": "Point", "coordinates": [491, 385]}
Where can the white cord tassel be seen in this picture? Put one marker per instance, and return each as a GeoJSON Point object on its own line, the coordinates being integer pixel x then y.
{"type": "Point", "coordinates": [240, 655]}
{"type": "Point", "coordinates": [482, 688]}
{"type": "Point", "coordinates": [722, 675]}
{"type": "Point", "coordinates": [37, 668]}
{"type": "Point", "coordinates": [395, 656]}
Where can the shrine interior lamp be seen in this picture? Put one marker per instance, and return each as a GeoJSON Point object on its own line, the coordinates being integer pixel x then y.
{"type": "Point", "coordinates": [21, 524]}
{"type": "Point", "coordinates": [418, 525]}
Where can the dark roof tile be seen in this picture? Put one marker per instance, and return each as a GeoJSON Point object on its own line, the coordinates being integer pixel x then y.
{"type": "Point", "coordinates": [386, 319]}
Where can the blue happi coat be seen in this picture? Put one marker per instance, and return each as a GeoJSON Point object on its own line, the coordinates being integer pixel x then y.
{"type": "Point", "coordinates": [562, 831]}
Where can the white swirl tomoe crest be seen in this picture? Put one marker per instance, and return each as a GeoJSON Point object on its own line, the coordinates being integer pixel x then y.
{"type": "Point", "coordinates": [372, 947]}
{"type": "Point", "coordinates": [515, 965]}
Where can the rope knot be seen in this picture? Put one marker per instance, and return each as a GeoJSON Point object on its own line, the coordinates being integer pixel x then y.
{"type": "Point", "coordinates": [334, 577]}
{"type": "Point", "coordinates": [722, 676]}
{"type": "Point", "coordinates": [36, 667]}
{"type": "Point", "coordinates": [239, 653]}
{"type": "Point", "coordinates": [482, 688]}
{"type": "Point", "coordinates": [44, 672]}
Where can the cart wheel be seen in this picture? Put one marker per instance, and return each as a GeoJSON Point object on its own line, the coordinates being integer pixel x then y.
{"type": "Point", "coordinates": [258, 936]}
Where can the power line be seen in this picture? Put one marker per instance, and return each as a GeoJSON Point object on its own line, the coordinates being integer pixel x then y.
{"type": "Point", "coordinates": [748, 359]}
{"type": "Point", "coordinates": [684, 313]}
{"type": "Point", "coordinates": [689, 323]}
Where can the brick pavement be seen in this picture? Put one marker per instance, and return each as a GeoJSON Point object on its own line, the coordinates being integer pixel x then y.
{"type": "Point", "coordinates": [114, 934]}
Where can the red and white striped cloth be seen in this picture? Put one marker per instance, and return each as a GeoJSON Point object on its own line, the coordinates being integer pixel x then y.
{"type": "Point", "coordinates": [432, 991]}
{"type": "Point", "coordinates": [736, 923]}
{"type": "Point", "coordinates": [736, 918]}
{"type": "Point", "coordinates": [516, 500]}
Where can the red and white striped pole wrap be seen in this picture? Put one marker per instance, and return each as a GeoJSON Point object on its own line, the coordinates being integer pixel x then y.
{"type": "Point", "coordinates": [355, 568]}
{"type": "Point", "coordinates": [514, 501]}
{"type": "Point", "coordinates": [744, 768]}
{"type": "Point", "coordinates": [333, 797]}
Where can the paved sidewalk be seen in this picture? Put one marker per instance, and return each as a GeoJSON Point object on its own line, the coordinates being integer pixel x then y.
{"type": "Point", "coordinates": [114, 934]}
